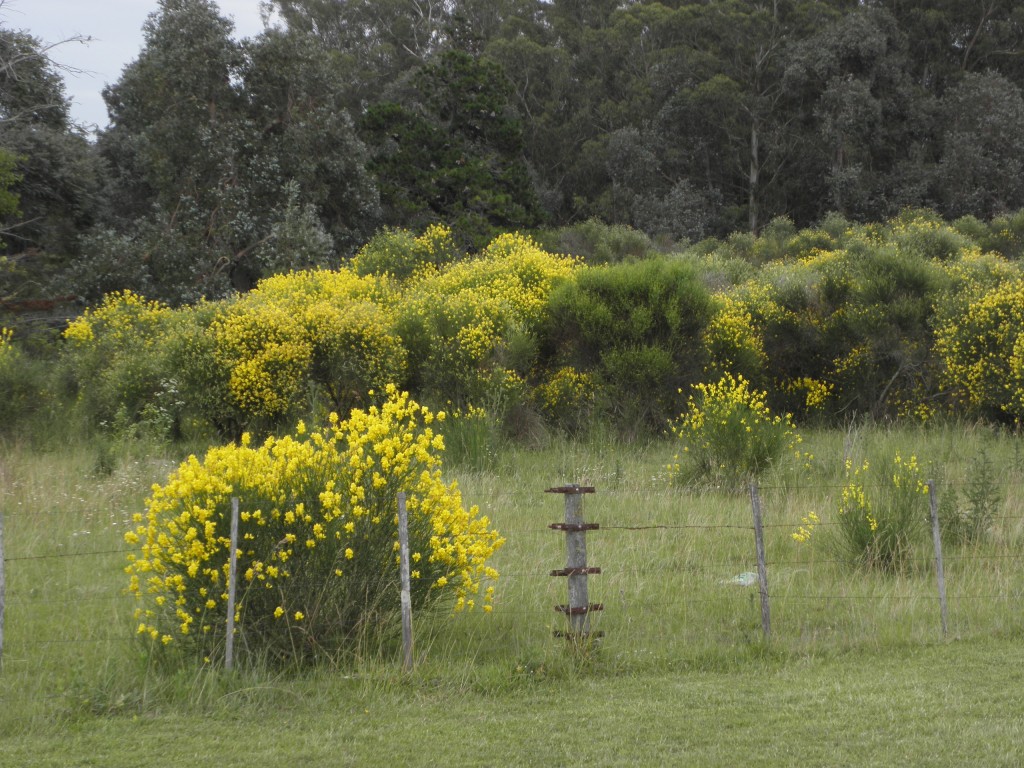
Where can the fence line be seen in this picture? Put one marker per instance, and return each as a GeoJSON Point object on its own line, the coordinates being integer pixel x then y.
{"type": "Point", "coordinates": [517, 579]}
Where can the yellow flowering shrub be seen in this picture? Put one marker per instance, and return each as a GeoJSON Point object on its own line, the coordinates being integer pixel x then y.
{"type": "Point", "coordinates": [455, 321]}
{"type": "Point", "coordinates": [729, 433]}
{"type": "Point", "coordinates": [567, 399]}
{"type": "Point", "coordinates": [331, 329]}
{"type": "Point", "coordinates": [318, 539]}
{"type": "Point", "coordinates": [118, 354]}
{"type": "Point", "coordinates": [399, 253]}
{"type": "Point", "coordinates": [982, 351]}
{"type": "Point", "coordinates": [266, 355]}
{"type": "Point", "coordinates": [732, 340]}
{"type": "Point", "coordinates": [122, 318]}
{"type": "Point", "coordinates": [881, 513]}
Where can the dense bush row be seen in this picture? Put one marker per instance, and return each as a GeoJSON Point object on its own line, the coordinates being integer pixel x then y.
{"type": "Point", "coordinates": [909, 318]}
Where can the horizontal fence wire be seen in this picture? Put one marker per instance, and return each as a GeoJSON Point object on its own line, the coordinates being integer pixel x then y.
{"type": "Point", "coordinates": [517, 583]}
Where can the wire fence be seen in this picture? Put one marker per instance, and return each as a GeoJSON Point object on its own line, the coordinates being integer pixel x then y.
{"type": "Point", "coordinates": [671, 581]}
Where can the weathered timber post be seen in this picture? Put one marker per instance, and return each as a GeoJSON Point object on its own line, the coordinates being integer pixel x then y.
{"type": "Point", "coordinates": [229, 642]}
{"type": "Point", "coordinates": [762, 567]}
{"type": "Point", "coordinates": [576, 569]}
{"type": "Point", "coordinates": [940, 575]}
{"type": "Point", "coordinates": [406, 584]}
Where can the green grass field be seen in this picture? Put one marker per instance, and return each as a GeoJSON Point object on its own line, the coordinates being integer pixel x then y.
{"type": "Point", "coordinates": [857, 671]}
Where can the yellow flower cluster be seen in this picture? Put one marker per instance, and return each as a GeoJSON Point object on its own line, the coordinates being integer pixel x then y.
{"type": "Point", "coordinates": [318, 535]}
{"type": "Point", "coordinates": [729, 431]}
{"type": "Point", "coordinates": [123, 317]}
{"type": "Point", "coordinates": [982, 350]}
{"type": "Point", "coordinates": [803, 534]}
{"type": "Point", "coordinates": [817, 392]}
{"type": "Point", "coordinates": [455, 320]}
{"type": "Point", "coordinates": [852, 501]}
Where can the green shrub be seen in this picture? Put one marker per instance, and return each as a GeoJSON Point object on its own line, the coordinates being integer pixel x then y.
{"type": "Point", "coordinates": [882, 514]}
{"type": "Point", "coordinates": [597, 243]}
{"type": "Point", "coordinates": [567, 400]}
{"type": "Point", "coordinates": [730, 435]}
{"type": "Point", "coordinates": [22, 382]}
{"type": "Point", "coordinates": [636, 329]}
{"type": "Point", "coordinates": [923, 234]}
{"type": "Point", "coordinates": [967, 516]}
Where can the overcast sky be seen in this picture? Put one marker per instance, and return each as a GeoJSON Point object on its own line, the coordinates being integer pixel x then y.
{"type": "Point", "coordinates": [116, 29]}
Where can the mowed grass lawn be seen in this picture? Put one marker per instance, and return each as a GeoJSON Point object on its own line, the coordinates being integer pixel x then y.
{"type": "Point", "coordinates": [955, 704]}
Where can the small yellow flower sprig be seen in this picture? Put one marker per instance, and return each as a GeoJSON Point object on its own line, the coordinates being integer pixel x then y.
{"type": "Point", "coordinates": [803, 534]}
{"type": "Point", "coordinates": [729, 432]}
{"type": "Point", "coordinates": [6, 335]}
{"type": "Point", "coordinates": [881, 513]}
{"type": "Point", "coordinates": [318, 535]}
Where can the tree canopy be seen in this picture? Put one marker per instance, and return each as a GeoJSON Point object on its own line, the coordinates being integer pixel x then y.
{"type": "Point", "coordinates": [228, 160]}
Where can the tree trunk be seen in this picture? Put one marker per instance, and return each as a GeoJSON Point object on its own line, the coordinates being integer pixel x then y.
{"type": "Point", "coordinates": [755, 171]}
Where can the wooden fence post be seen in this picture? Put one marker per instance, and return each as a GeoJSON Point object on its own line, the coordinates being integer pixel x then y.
{"type": "Point", "coordinates": [939, 572]}
{"type": "Point", "coordinates": [762, 567]}
{"type": "Point", "coordinates": [229, 643]}
{"type": "Point", "coordinates": [403, 560]}
{"type": "Point", "coordinates": [576, 569]}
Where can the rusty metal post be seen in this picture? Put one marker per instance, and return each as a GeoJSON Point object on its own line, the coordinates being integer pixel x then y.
{"type": "Point", "coordinates": [576, 569]}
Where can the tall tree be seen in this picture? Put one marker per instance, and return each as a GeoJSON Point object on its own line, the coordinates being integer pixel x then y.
{"type": "Point", "coordinates": [951, 37]}
{"type": "Point", "coordinates": [867, 126]}
{"type": "Point", "coordinates": [219, 147]}
{"type": "Point", "coordinates": [981, 168]}
{"type": "Point", "coordinates": [452, 151]}
{"type": "Point", "coordinates": [376, 41]}
{"type": "Point", "coordinates": [51, 178]}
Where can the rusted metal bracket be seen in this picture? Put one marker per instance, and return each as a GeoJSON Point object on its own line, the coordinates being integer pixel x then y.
{"type": "Point", "coordinates": [574, 527]}
{"type": "Point", "coordinates": [575, 571]}
{"type": "Point", "coordinates": [574, 489]}
{"type": "Point", "coordinates": [579, 610]}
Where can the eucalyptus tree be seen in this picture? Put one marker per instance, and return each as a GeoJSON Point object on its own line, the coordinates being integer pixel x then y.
{"type": "Point", "coordinates": [948, 38]}
{"type": "Point", "coordinates": [981, 167]}
{"type": "Point", "coordinates": [450, 149]}
{"type": "Point", "coordinates": [224, 152]}
{"type": "Point", "coordinates": [869, 130]}
{"type": "Point", "coordinates": [49, 176]}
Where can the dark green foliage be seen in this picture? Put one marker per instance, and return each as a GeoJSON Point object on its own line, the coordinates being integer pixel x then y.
{"type": "Point", "coordinates": [453, 153]}
{"type": "Point", "coordinates": [242, 167]}
{"type": "Point", "coordinates": [49, 178]}
{"type": "Point", "coordinates": [598, 243]}
{"type": "Point", "coordinates": [636, 326]}
{"type": "Point", "coordinates": [967, 514]}
{"type": "Point", "coordinates": [981, 171]}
